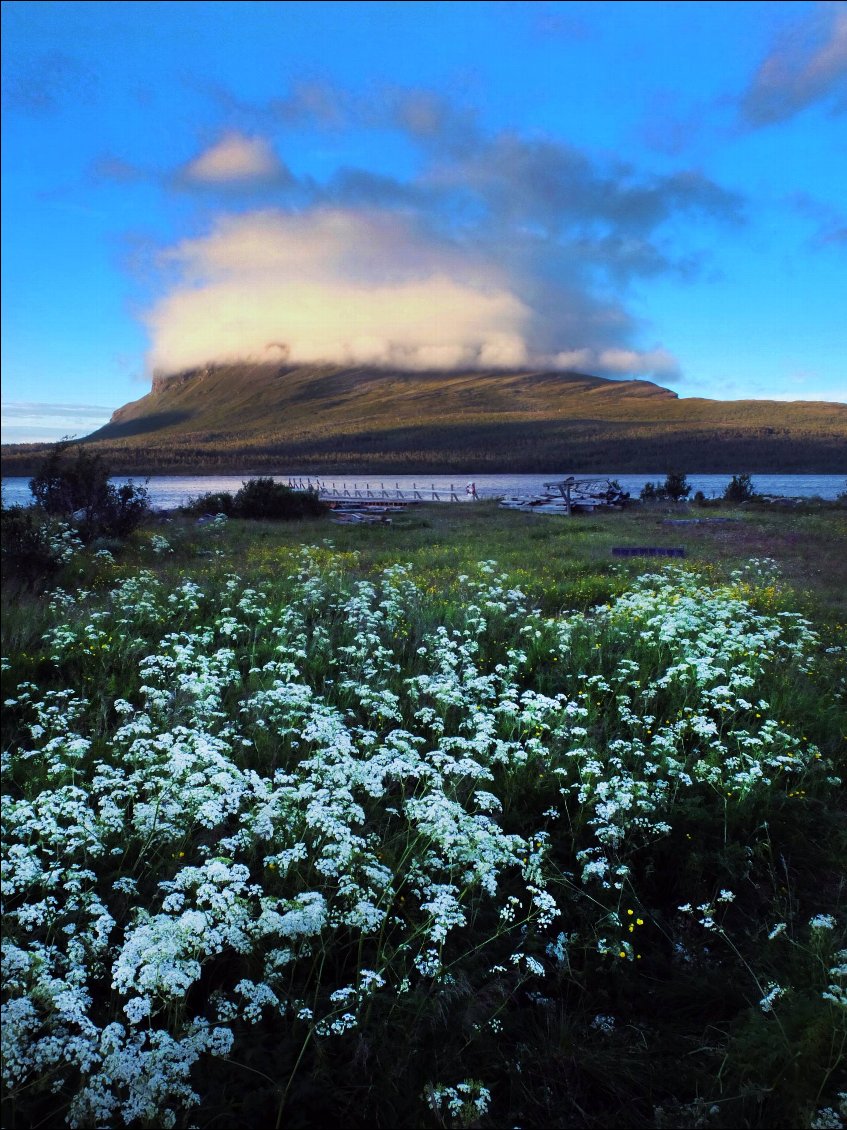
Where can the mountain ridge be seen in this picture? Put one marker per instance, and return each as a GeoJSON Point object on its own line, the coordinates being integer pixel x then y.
{"type": "Point", "coordinates": [336, 418]}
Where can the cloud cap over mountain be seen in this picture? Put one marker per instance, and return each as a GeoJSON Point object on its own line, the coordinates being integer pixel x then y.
{"type": "Point", "coordinates": [367, 287]}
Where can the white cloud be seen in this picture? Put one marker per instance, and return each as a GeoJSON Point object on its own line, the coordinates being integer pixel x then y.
{"type": "Point", "coordinates": [235, 159]}
{"type": "Point", "coordinates": [29, 409]}
{"type": "Point", "coordinates": [31, 422]}
{"type": "Point", "coordinates": [363, 287]}
{"type": "Point", "coordinates": [574, 359]}
{"type": "Point", "coordinates": [334, 285]}
{"type": "Point", "coordinates": [653, 362]}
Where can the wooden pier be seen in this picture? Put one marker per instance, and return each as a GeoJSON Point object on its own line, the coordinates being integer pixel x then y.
{"type": "Point", "coordinates": [370, 494]}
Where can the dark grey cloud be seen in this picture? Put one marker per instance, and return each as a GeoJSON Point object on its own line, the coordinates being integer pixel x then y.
{"type": "Point", "coordinates": [602, 216]}
{"type": "Point", "coordinates": [44, 83]}
{"type": "Point", "coordinates": [111, 168]}
{"type": "Point", "coordinates": [830, 223]}
{"type": "Point", "coordinates": [808, 65]}
{"type": "Point", "coordinates": [597, 216]}
{"type": "Point", "coordinates": [359, 187]}
{"type": "Point", "coordinates": [428, 118]}
{"type": "Point", "coordinates": [644, 206]}
{"type": "Point", "coordinates": [315, 103]}
{"type": "Point", "coordinates": [560, 187]}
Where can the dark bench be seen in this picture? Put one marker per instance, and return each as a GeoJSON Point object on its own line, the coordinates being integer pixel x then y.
{"type": "Point", "coordinates": [647, 551]}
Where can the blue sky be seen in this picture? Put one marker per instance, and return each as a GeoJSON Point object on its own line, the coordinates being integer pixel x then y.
{"type": "Point", "coordinates": [628, 189]}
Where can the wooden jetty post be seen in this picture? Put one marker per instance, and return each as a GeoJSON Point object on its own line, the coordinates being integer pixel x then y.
{"type": "Point", "coordinates": [565, 491]}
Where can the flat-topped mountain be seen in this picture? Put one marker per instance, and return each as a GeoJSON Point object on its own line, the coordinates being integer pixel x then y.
{"type": "Point", "coordinates": [330, 418]}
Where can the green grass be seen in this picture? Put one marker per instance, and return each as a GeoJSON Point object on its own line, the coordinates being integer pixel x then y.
{"type": "Point", "coordinates": [560, 562]}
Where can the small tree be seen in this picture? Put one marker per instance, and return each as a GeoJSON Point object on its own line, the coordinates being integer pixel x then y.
{"type": "Point", "coordinates": [650, 493]}
{"type": "Point", "coordinates": [739, 489]}
{"type": "Point", "coordinates": [213, 502]}
{"type": "Point", "coordinates": [262, 498]}
{"type": "Point", "coordinates": [79, 490]}
{"type": "Point", "coordinates": [62, 486]}
{"type": "Point", "coordinates": [675, 487]}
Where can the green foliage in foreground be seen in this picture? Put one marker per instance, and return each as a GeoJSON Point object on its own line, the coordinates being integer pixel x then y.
{"type": "Point", "coordinates": [33, 545]}
{"type": "Point", "coordinates": [74, 504]}
{"type": "Point", "coordinates": [368, 850]}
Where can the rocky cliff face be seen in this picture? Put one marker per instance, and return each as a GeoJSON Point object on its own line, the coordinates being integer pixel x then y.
{"type": "Point", "coordinates": [168, 381]}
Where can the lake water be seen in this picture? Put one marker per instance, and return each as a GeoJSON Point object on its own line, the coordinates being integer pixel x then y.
{"type": "Point", "coordinates": [170, 491]}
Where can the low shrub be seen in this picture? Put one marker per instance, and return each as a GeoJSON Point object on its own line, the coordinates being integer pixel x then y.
{"type": "Point", "coordinates": [324, 850]}
{"type": "Point", "coordinates": [213, 502]}
{"type": "Point", "coordinates": [261, 498]}
{"type": "Point", "coordinates": [265, 498]}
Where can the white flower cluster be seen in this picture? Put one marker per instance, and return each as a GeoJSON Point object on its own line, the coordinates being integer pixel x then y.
{"type": "Point", "coordinates": [290, 769]}
{"type": "Point", "coordinates": [828, 1118]}
{"type": "Point", "coordinates": [836, 990]}
{"type": "Point", "coordinates": [62, 540]}
{"type": "Point", "coordinates": [160, 545]}
{"type": "Point", "coordinates": [462, 1104]}
{"type": "Point", "coordinates": [710, 648]}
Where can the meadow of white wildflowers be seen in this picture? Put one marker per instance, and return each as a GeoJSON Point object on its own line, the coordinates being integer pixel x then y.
{"type": "Point", "coordinates": [284, 839]}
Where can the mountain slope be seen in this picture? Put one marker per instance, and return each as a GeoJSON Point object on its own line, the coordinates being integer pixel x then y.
{"type": "Point", "coordinates": [330, 418]}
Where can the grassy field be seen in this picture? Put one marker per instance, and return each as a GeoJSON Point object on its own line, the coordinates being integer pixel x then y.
{"type": "Point", "coordinates": [453, 821]}
{"type": "Point", "coordinates": [564, 563]}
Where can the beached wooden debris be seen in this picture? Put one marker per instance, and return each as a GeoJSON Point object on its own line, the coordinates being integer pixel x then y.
{"type": "Point", "coordinates": [572, 496]}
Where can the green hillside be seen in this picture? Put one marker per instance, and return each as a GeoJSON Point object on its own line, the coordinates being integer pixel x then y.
{"type": "Point", "coordinates": [329, 418]}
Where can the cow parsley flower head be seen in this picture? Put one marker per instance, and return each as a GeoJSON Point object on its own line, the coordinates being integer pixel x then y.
{"type": "Point", "coordinates": [774, 992]}
{"type": "Point", "coordinates": [466, 1102]}
{"type": "Point", "coordinates": [822, 922]}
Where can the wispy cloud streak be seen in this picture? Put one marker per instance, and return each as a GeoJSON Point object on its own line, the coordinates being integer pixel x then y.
{"type": "Point", "coordinates": [807, 67]}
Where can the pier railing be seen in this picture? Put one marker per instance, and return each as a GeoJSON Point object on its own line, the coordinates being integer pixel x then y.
{"type": "Point", "coordinates": [328, 491]}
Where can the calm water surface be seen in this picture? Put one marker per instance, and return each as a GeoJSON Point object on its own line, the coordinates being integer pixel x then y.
{"type": "Point", "coordinates": [169, 491]}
